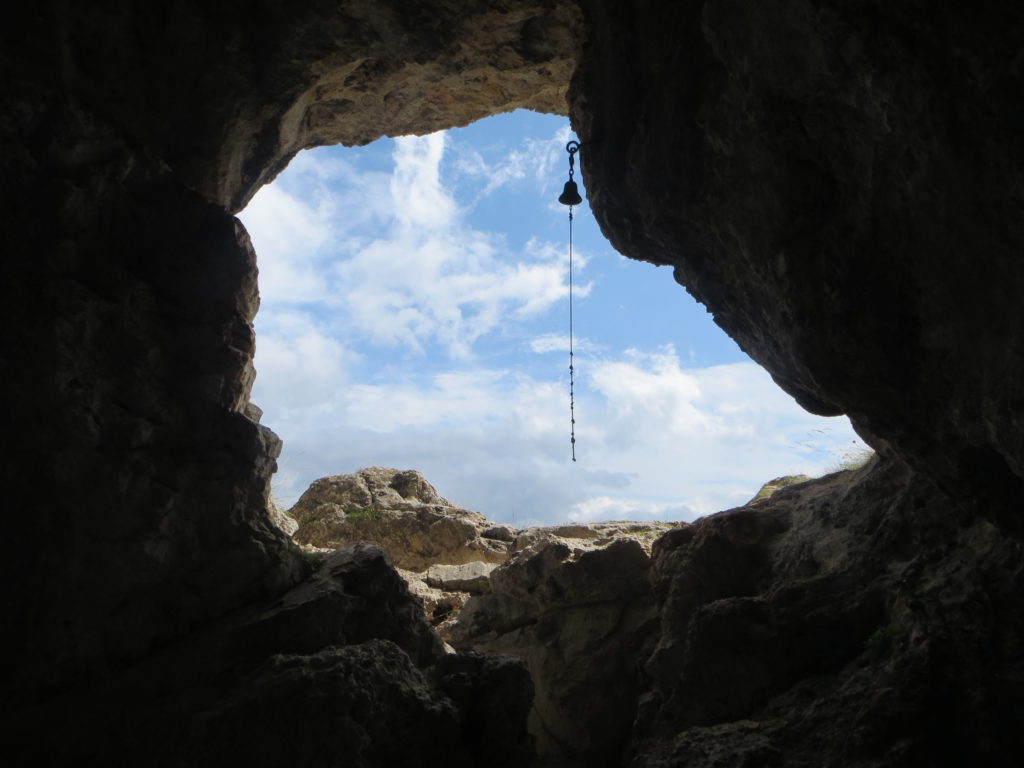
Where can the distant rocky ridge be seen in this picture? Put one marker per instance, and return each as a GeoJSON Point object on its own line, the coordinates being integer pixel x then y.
{"type": "Point", "coordinates": [574, 601]}
{"type": "Point", "coordinates": [799, 624]}
{"type": "Point", "coordinates": [447, 554]}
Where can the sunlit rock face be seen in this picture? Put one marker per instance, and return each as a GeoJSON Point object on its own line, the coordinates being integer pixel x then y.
{"type": "Point", "coordinates": [840, 183]}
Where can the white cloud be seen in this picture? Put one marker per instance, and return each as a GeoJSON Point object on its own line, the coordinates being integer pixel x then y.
{"type": "Point", "coordinates": [556, 342]}
{"type": "Point", "coordinates": [536, 160]}
{"type": "Point", "coordinates": [498, 441]}
{"type": "Point", "coordinates": [298, 364]}
{"type": "Point", "coordinates": [420, 276]}
{"type": "Point", "coordinates": [352, 261]}
{"type": "Point", "coordinates": [601, 508]}
{"type": "Point", "coordinates": [449, 288]}
{"type": "Point", "coordinates": [420, 201]}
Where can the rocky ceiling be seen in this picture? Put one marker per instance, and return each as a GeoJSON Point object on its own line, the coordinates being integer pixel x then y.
{"type": "Point", "coordinates": [839, 182]}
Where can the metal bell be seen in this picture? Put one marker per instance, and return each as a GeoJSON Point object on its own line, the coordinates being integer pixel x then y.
{"type": "Point", "coordinates": [570, 194]}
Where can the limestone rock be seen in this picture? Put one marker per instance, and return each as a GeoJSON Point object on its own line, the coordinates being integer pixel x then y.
{"type": "Point", "coordinates": [842, 199]}
{"type": "Point", "coordinates": [803, 628]}
{"type": "Point", "coordinates": [445, 554]}
{"type": "Point", "coordinates": [401, 511]}
{"type": "Point", "coordinates": [372, 488]}
{"type": "Point", "coordinates": [839, 182]}
{"type": "Point", "coordinates": [339, 668]}
{"type": "Point", "coordinates": [471, 577]}
{"type": "Point", "coordinates": [440, 606]}
{"type": "Point", "coordinates": [581, 622]}
{"type": "Point", "coordinates": [279, 517]}
{"type": "Point", "coordinates": [580, 537]}
{"type": "Point", "coordinates": [778, 483]}
{"type": "Point", "coordinates": [494, 695]}
{"type": "Point", "coordinates": [406, 515]}
{"type": "Point", "coordinates": [810, 628]}
{"type": "Point", "coordinates": [132, 134]}
{"type": "Point", "coordinates": [367, 702]}
{"type": "Point", "coordinates": [499, 533]}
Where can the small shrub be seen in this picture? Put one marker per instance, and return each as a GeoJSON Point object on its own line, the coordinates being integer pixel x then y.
{"type": "Point", "coordinates": [366, 513]}
{"type": "Point", "coordinates": [314, 559]}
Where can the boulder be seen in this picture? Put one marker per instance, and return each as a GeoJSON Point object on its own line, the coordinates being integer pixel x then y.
{"type": "Point", "coordinates": [471, 577]}
{"type": "Point", "coordinates": [582, 621]}
{"type": "Point", "coordinates": [281, 518]}
{"type": "Point", "coordinates": [342, 665]}
{"type": "Point", "coordinates": [399, 510]}
{"type": "Point", "coordinates": [494, 694]}
{"type": "Point", "coordinates": [810, 628]}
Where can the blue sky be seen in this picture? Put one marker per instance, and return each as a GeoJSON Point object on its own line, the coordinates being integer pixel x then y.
{"type": "Point", "coordinates": [415, 313]}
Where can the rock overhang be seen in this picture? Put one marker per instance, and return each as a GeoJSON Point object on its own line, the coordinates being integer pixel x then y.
{"type": "Point", "coordinates": [839, 183]}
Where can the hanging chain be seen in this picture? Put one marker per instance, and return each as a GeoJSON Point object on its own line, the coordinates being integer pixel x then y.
{"type": "Point", "coordinates": [572, 370]}
{"type": "Point", "coordinates": [571, 199]}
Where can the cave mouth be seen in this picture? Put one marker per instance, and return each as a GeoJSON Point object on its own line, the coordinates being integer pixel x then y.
{"type": "Point", "coordinates": [414, 308]}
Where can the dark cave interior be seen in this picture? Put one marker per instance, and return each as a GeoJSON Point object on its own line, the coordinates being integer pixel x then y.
{"type": "Point", "coordinates": [839, 182]}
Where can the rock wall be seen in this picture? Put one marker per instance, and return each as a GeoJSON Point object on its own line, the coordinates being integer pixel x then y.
{"type": "Point", "coordinates": [131, 133]}
{"type": "Point", "coordinates": [846, 621]}
{"type": "Point", "coordinates": [343, 669]}
{"type": "Point", "coordinates": [445, 553]}
{"type": "Point", "coordinates": [583, 622]}
{"type": "Point", "coordinates": [851, 621]}
{"type": "Point", "coordinates": [840, 183]}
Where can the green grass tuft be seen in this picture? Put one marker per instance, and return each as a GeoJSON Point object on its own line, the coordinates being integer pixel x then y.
{"type": "Point", "coordinates": [855, 458]}
{"type": "Point", "coordinates": [366, 513]}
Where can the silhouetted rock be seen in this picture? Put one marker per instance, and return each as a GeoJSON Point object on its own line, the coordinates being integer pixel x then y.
{"type": "Point", "coordinates": [340, 665]}
{"type": "Point", "coordinates": [494, 695]}
{"type": "Point", "coordinates": [582, 622]}
{"type": "Point", "coordinates": [842, 198]}
{"type": "Point", "coordinates": [838, 182]}
{"type": "Point", "coordinates": [805, 627]}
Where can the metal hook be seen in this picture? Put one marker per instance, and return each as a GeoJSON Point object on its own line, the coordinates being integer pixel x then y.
{"type": "Point", "coordinates": [572, 148]}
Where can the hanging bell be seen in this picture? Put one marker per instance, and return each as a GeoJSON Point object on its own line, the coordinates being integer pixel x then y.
{"type": "Point", "coordinates": [570, 194]}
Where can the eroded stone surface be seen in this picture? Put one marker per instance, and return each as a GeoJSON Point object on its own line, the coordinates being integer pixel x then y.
{"type": "Point", "coordinates": [834, 622]}
{"type": "Point", "coordinates": [581, 622]}
{"type": "Point", "coordinates": [837, 622]}
{"type": "Point", "coordinates": [339, 668]}
{"type": "Point", "coordinates": [471, 577]}
{"type": "Point", "coordinates": [132, 133]}
{"type": "Point", "coordinates": [399, 510]}
{"type": "Point", "coordinates": [839, 183]}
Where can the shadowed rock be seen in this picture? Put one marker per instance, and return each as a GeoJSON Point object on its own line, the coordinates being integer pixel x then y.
{"type": "Point", "coordinates": [581, 622]}
{"type": "Point", "coordinates": [840, 183]}
{"type": "Point", "coordinates": [340, 665]}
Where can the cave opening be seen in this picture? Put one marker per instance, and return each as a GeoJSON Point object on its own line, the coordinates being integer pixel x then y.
{"type": "Point", "coordinates": [413, 315]}
{"type": "Point", "coordinates": [840, 181]}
